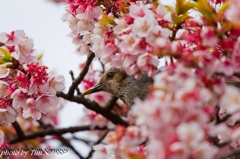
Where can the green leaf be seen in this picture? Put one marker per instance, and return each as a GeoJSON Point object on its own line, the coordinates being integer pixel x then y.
{"type": "Point", "coordinates": [181, 18]}
{"type": "Point", "coordinates": [223, 7]}
{"type": "Point", "coordinates": [169, 9]}
{"type": "Point", "coordinates": [204, 7]}
{"type": "Point", "coordinates": [106, 19]}
{"type": "Point", "coordinates": [7, 56]}
{"type": "Point", "coordinates": [183, 6]}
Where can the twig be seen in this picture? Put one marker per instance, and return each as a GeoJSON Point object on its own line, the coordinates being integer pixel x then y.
{"type": "Point", "coordinates": [215, 140]}
{"type": "Point", "coordinates": [52, 131]}
{"type": "Point", "coordinates": [73, 78]}
{"type": "Point", "coordinates": [82, 74]}
{"type": "Point", "coordinates": [103, 67]}
{"type": "Point", "coordinates": [110, 104]}
{"type": "Point", "coordinates": [87, 142]}
{"type": "Point", "coordinates": [237, 74]}
{"type": "Point", "coordinates": [113, 117]}
{"type": "Point", "coordinates": [217, 117]}
{"type": "Point", "coordinates": [234, 83]}
{"type": "Point", "coordinates": [18, 129]}
{"type": "Point", "coordinates": [97, 142]}
{"type": "Point", "coordinates": [1, 44]}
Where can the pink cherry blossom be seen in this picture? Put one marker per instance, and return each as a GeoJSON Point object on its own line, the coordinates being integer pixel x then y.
{"type": "Point", "coordinates": [191, 133]}
{"type": "Point", "coordinates": [225, 66]}
{"type": "Point", "coordinates": [3, 88]}
{"type": "Point", "coordinates": [13, 38]}
{"type": "Point", "coordinates": [163, 14]}
{"type": "Point", "coordinates": [129, 41]}
{"type": "Point", "coordinates": [44, 102]}
{"type": "Point", "coordinates": [233, 11]}
{"type": "Point", "coordinates": [7, 116]}
{"type": "Point", "coordinates": [90, 12]}
{"type": "Point", "coordinates": [4, 70]}
{"type": "Point", "coordinates": [98, 43]}
{"type": "Point", "coordinates": [142, 26]}
{"type": "Point", "coordinates": [230, 100]}
{"type": "Point", "coordinates": [209, 37]}
{"type": "Point", "coordinates": [156, 32]}
{"type": "Point", "coordinates": [30, 110]}
{"type": "Point", "coordinates": [121, 26]}
{"type": "Point", "coordinates": [55, 83]}
{"type": "Point", "coordinates": [138, 10]}
{"type": "Point", "coordinates": [84, 25]}
{"type": "Point", "coordinates": [19, 97]}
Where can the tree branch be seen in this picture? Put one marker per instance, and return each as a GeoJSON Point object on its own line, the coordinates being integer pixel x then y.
{"type": "Point", "coordinates": [73, 78]}
{"type": "Point", "coordinates": [237, 74]}
{"type": "Point", "coordinates": [52, 131]}
{"type": "Point", "coordinates": [110, 104]}
{"type": "Point", "coordinates": [113, 117]}
{"type": "Point", "coordinates": [18, 129]}
{"type": "Point", "coordinates": [82, 74]}
{"type": "Point", "coordinates": [1, 44]}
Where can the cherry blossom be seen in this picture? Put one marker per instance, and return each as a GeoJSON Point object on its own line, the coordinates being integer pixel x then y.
{"type": "Point", "coordinates": [13, 38]}
{"type": "Point", "coordinates": [26, 86]}
{"type": "Point", "coordinates": [4, 70]}
{"type": "Point", "coordinates": [30, 109]}
{"type": "Point", "coordinates": [232, 11]}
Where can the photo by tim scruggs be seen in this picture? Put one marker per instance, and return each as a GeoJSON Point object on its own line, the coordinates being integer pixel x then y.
{"type": "Point", "coordinates": [34, 152]}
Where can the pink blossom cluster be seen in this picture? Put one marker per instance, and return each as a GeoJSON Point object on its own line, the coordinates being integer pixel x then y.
{"type": "Point", "coordinates": [184, 106]}
{"type": "Point", "coordinates": [26, 88]}
{"type": "Point", "coordinates": [130, 41]}
{"type": "Point", "coordinates": [81, 17]}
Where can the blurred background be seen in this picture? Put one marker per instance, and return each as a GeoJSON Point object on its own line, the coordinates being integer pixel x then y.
{"type": "Point", "coordinates": [41, 20]}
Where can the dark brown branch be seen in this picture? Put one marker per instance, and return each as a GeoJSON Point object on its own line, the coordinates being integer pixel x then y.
{"type": "Point", "coordinates": [1, 44]}
{"type": "Point", "coordinates": [73, 78]}
{"type": "Point", "coordinates": [97, 142]}
{"type": "Point", "coordinates": [52, 131]}
{"type": "Point", "coordinates": [110, 104]}
{"type": "Point", "coordinates": [18, 129]}
{"type": "Point", "coordinates": [237, 74]}
{"type": "Point", "coordinates": [103, 67]}
{"type": "Point", "coordinates": [113, 117]}
{"type": "Point", "coordinates": [87, 142]}
{"type": "Point", "coordinates": [82, 74]}
{"type": "Point", "coordinates": [215, 140]}
{"type": "Point", "coordinates": [217, 117]}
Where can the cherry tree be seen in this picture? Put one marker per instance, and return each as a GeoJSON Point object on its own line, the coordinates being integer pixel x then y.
{"type": "Point", "coordinates": [191, 50]}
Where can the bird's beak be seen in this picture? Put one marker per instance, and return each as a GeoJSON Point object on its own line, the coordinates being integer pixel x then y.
{"type": "Point", "coordinates": [96, 88]}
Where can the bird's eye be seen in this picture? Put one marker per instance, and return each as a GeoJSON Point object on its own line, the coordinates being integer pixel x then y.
{"type": "Point", "coordinates": [110, 75]}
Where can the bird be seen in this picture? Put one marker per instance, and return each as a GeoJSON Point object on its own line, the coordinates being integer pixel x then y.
{"type": "Point", "coordinates": [123, 86]}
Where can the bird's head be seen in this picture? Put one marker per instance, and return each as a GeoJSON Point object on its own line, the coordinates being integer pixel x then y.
{"type": "Point", "coordinates": [110, 81]}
